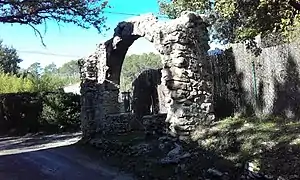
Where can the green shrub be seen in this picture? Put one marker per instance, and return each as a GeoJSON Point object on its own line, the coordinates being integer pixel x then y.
{"type": "Point", "coordinates": [49, 82]}
{"type": "Point", "coordinates": [32, 112]}
{"type": "Point", "coordinates": [13, 84]}
{"type": "Point", "coordinates": [19, 113]}
{"type": "Point", "coordinates": [27, 83]}
{"type": "Point", "coordinates": [61, 111]}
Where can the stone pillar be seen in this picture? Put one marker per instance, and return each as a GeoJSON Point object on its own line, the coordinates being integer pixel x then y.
{"type": "Point", "coordinates": [91, 97]}
{"type": "Point", "coordinates": [184, 44]}
{"type": "Point", "coordinates": [161, 89]}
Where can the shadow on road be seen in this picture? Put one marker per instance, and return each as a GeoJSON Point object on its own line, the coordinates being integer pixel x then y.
{"type": "Point", "coordinates": [52, 157]}
{"type": "Point", "coordinates": [36, 141]}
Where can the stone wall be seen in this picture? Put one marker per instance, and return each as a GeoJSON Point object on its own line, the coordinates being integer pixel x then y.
{"type": "Point", "coordinates": [119, 123]}
{"type": "Point", "coordinates": [183, 45]}
{"type": "Point", "coordinates": [125, 122]}
{"type": "Point", "coordinates": [264, 85]}
{"type": "Point", "coordinates": [155, 124]}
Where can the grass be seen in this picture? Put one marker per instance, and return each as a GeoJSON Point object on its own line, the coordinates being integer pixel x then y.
{"type": "Point", "coordinates": [274, 142]}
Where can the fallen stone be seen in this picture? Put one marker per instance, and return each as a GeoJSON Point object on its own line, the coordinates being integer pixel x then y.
{"type": "Point", "coordinates": [175, 155]}
{"type": "Point", "coordinates": [214, 172]}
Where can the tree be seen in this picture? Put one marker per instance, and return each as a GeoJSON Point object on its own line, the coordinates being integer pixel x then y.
{"type": "Point", "coordinates": [35, 79]}
{"type": "Point", "coordinates": [48, 78]}
{"type": "Point", "coordinates": [134, 64]}
{"type": "Point", "coordinates": [50, 69]}
{"type": "Point", "coordinates": [242, 20]}
{"type": "Point", "coordinates": [35, 69]}
{"type": "Point", "coordinates": [70, 68]}
{"type": "Point", "coordinates": [9, 59]}
{"type": "Point", "coordinates": [84, 13]}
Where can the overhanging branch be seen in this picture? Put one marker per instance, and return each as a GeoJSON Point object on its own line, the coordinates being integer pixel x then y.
{"type": "Point", "coordinates": [38, 33]}
{"type": "Point", "coordinates": [84, 14]}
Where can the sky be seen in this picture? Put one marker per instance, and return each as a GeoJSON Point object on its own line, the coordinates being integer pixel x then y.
{"type": "Point", "coordinates": [69, 42]}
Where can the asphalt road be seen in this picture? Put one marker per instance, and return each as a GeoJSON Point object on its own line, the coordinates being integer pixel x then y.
{"type": "Point", "coordinates": [52, 157]}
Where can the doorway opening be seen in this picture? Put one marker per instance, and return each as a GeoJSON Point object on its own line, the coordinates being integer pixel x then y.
{"type": "Point", "coordinates": [140, 80]}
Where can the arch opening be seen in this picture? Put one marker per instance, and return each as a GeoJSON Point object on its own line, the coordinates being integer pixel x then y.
{"type": "Point", "coordinates": [141, 91]}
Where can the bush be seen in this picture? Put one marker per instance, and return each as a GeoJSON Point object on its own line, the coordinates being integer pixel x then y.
{"type": "Point", "coordinates": [48, 82]}
{"type": "Point", "coordinates": [13, 84]}
{"type": "Point", "coordinates": [19, 112]}
{"type": "Point", "coordinates": [32, 112]}
{"type": "Point", "coordinates": [28, 83]}
{"type": "Point", "coordinates": [61, 111]}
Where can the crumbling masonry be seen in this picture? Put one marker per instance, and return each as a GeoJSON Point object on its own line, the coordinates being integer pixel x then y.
{"type": "Point", "coordinates": [183, 45]}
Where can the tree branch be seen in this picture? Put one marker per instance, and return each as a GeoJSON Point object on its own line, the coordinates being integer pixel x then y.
{"type": "Point", "coordinates": [83, 13]}
{"type": "Point", "coordinates": [38, 33]}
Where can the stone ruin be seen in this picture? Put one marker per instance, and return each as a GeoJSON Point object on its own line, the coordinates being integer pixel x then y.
{"type": "Point", "coordinates": [182, 44]}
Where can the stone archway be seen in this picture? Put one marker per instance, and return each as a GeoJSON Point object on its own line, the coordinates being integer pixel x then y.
{"type": "Point", "coordinates": [183, 45]}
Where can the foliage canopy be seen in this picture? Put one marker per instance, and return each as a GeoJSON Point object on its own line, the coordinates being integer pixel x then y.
{"type": "Point", "coordinates": [9, 59]}
{"type": "Point", "coordinates": [241, 20]}
{"type": "Point", "coordinates": [83, 13]}
{"type": "Point", "coordinates": [134, 64]}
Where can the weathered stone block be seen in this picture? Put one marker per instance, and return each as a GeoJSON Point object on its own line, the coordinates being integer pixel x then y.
{"type": "Point", "coordinates": [179, 94]}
